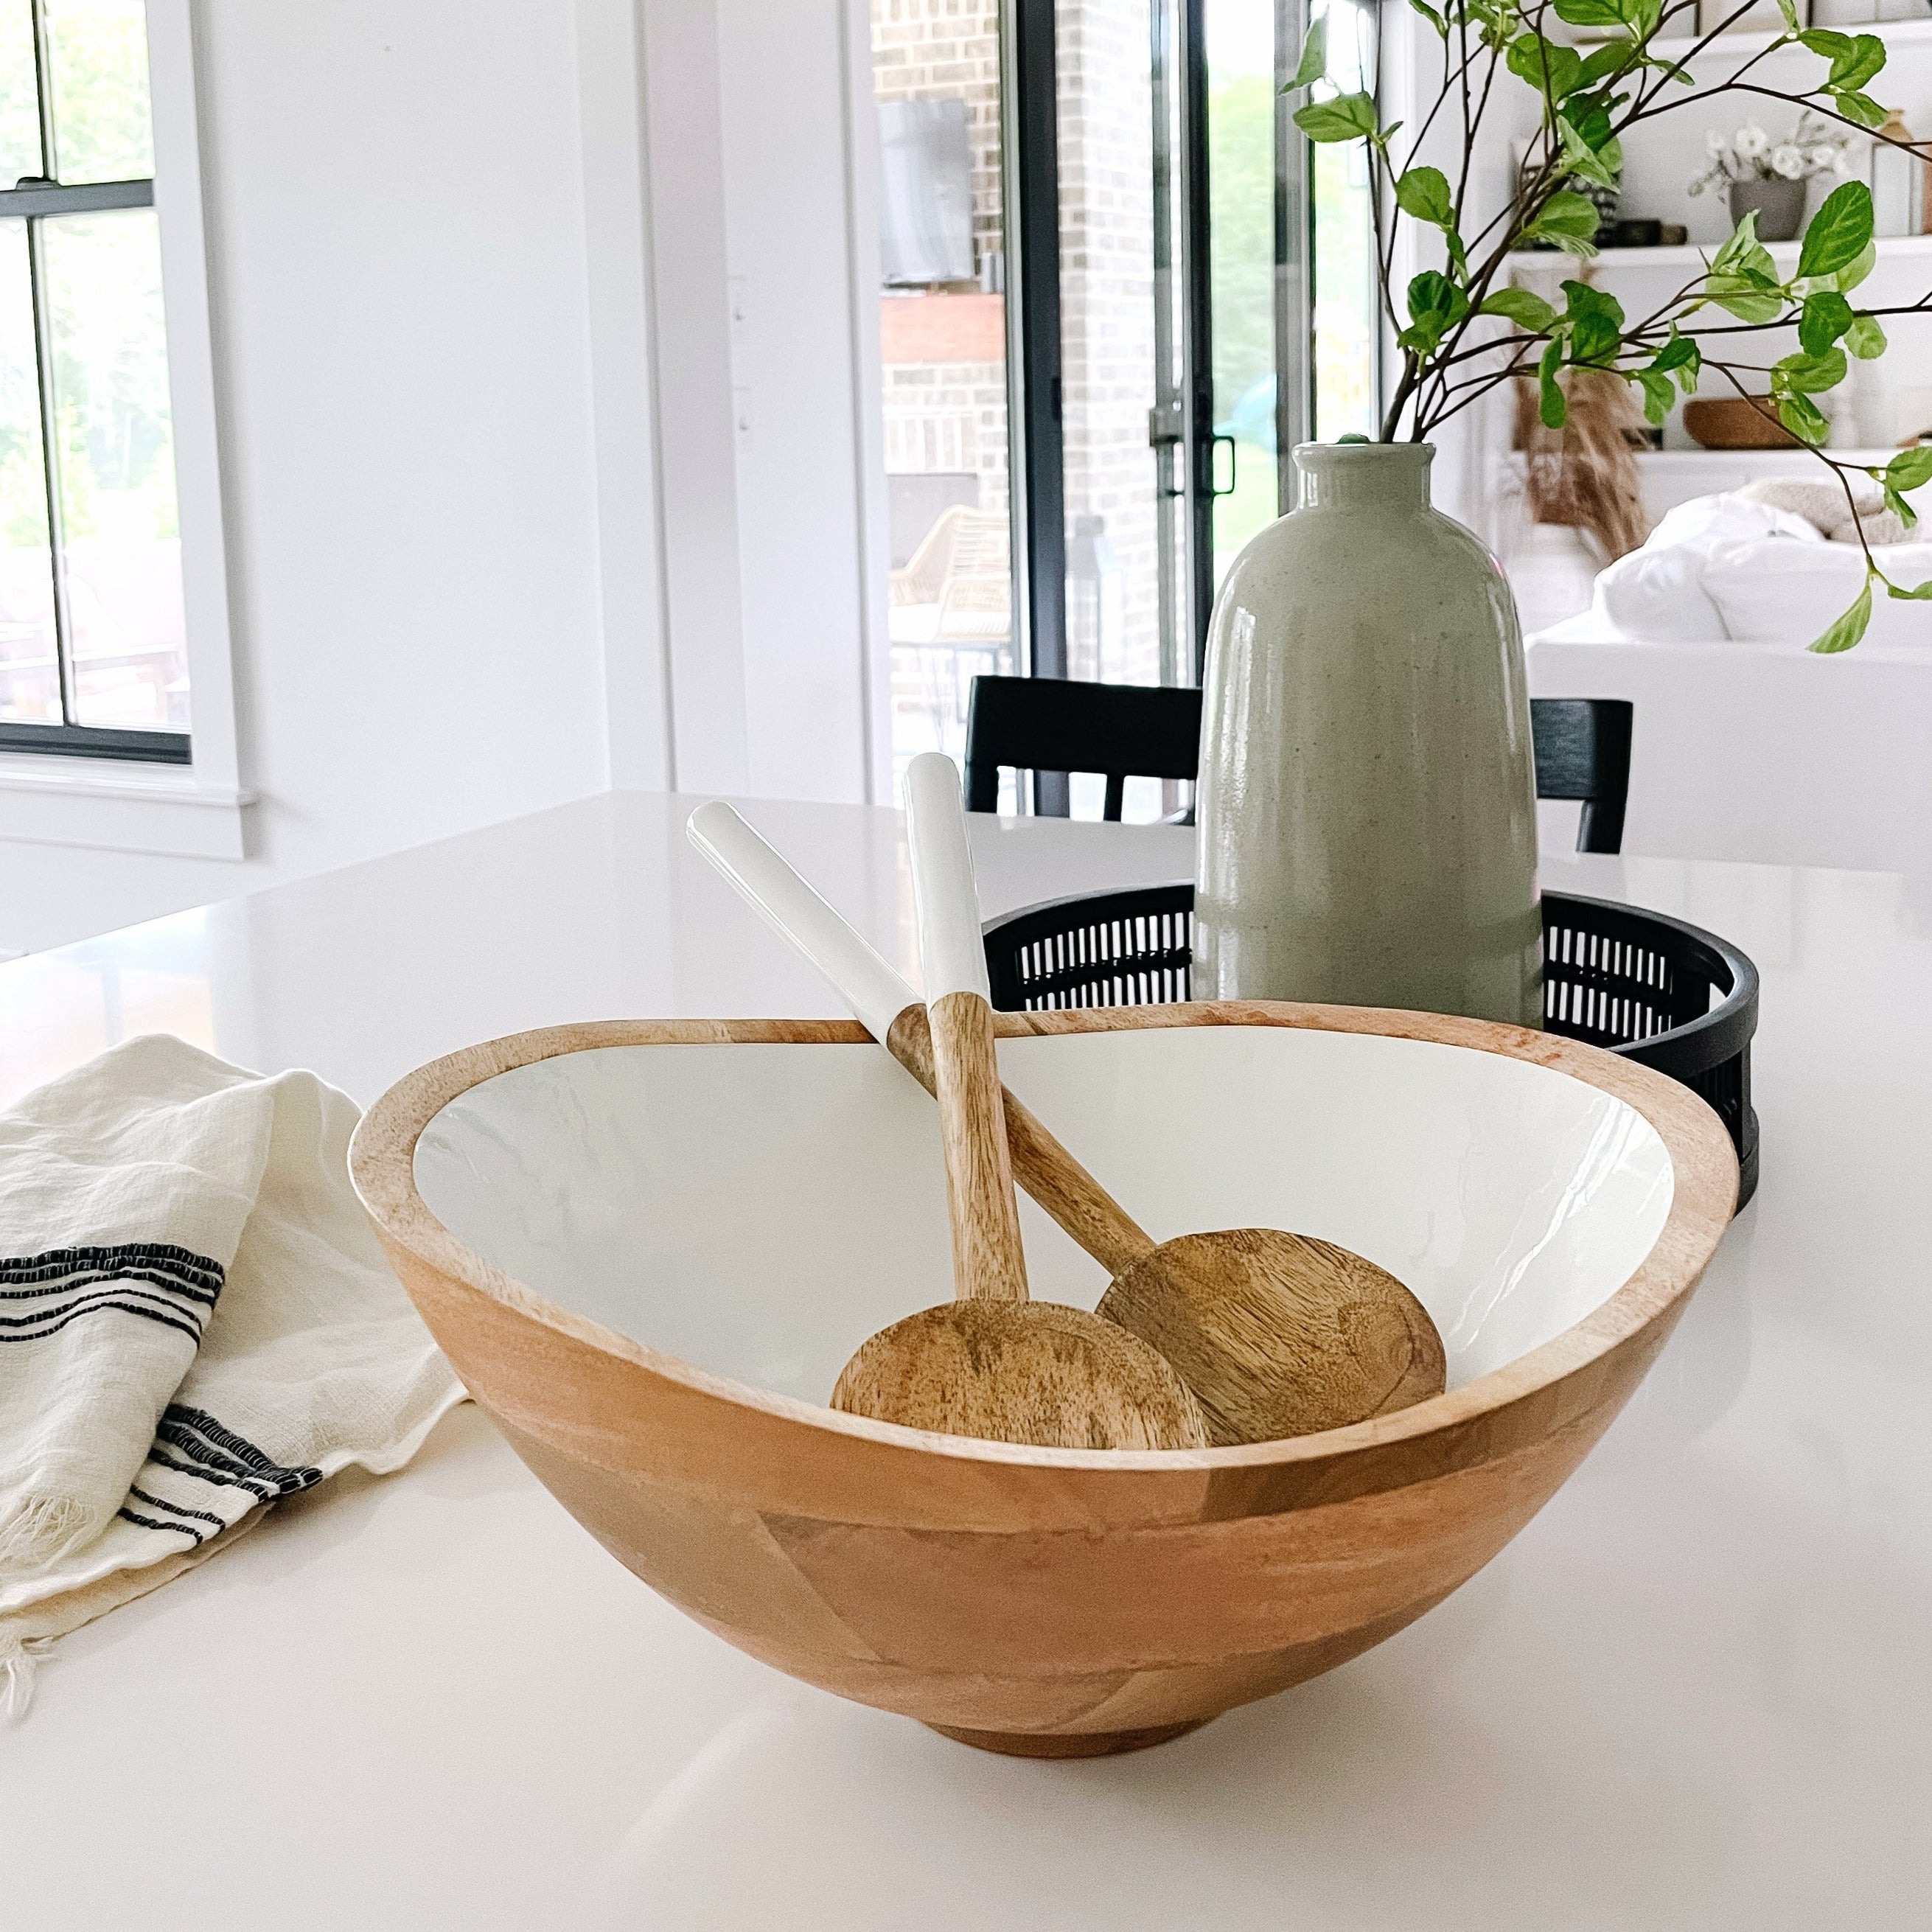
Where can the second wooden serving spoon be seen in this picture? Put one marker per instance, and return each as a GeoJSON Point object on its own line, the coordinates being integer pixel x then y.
{"type": "Point", "coordinates": [994, 1363]}
{"type": "Point", "coordinates": [1275, 1334]}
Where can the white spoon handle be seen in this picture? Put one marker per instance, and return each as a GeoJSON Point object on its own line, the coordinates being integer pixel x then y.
{"type": "Point", "coordinates": [889, 1011]}
{"type": "Point", "coordinates": [989, 1262]}
{"type": "Point", "coordinates": [951, 950]}
{"type": "Point", "coordinates": [875, 992]}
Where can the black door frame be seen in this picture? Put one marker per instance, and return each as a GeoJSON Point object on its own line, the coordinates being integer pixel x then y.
{"type": "Point", "coordinates": [1030, 183]}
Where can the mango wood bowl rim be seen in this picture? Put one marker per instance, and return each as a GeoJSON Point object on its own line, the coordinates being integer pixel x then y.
{"type": "Point", "coordinates": [1705, 1172]}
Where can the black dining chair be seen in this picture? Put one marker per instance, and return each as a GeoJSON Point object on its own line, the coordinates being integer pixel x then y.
{"type": "Point", "coordinates": [1120, 731]}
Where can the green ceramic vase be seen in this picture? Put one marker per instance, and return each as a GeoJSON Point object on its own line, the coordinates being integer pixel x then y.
{"type": "Point", "coordinates": [1367, 799]}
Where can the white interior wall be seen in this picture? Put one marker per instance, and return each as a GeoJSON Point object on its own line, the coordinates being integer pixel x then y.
{"type": "Point", "coordinates": [793, 135]}
{"type": "Point", "coordinates": [397, 283]}
{"type": "Point", "coordinates": [494, 539]}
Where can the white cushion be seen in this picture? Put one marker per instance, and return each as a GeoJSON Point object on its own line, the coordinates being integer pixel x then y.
{"type": "Point", "coordinates": [1657, 595]}
{"type": "Point", "coordinates": [1775, 591]}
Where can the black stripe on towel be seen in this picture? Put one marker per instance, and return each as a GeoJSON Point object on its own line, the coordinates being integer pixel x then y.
{"type": "Point", "coordinates": [189, 1328]}
{"type": "Point", "coordinates": [194, 1270]}
{"type": "Point", "coordinates": [175, 1509]}
{"type": "Point", "coordinates": [218, 1455]}
{"type": "Point", "coordinates": [156, 1280]}
{"type": "Point", "coordinates": [197, 1537]}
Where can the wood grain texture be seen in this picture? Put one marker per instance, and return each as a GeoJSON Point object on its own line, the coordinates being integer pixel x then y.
{"type": "Point", "coordinates": [1017, 1593]}
{"type": "Point", "coordinates": [1280, 1334]}
{"type": "Point", "coordinates": [1040, 1164]}
{"type": "Point", "coordinates": [988, 1259]}
{"type": "Point", "coordinates": [1274, 1333]}
{"type": "Point", "coordinates": [1032, 1372]}
{"type": "Point", "coordinates": [992, 1363]}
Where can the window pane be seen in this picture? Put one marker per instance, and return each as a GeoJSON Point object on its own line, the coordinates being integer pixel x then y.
{"type": "Point", "coordinates": [115, 451]}
{"type": "Point", "coordinates": [29, 668]}
{"type": "Point", "coordinates": [1240, 53]}
{"type": "Point", "coordinates": [19, 99]}
{"type": "Point", "coordinates": [98, 54]}
{"type": "Point", "coordinates": [936, 78]}
{"type": "Point", "coordinates": [1345, 316]}
{"type": "Point", "coordinates": [1119, 599]}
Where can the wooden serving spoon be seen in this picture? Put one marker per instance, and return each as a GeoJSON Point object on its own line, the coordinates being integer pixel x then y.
{"type": "Point", "coordinates": [1275, 1334]}
{"type": "Point", "coordinates": [992, 1363]}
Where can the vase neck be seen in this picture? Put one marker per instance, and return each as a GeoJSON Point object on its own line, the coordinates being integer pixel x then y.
{"type": "Point", "coordinates": [1355, 475]}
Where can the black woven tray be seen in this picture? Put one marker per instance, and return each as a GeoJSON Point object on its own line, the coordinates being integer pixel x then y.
{"type": "Point", "coordinates": [1673, 996]}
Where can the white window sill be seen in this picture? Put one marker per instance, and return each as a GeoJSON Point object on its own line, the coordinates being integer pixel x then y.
{"type": "Point", "coordinates": [121, 808]}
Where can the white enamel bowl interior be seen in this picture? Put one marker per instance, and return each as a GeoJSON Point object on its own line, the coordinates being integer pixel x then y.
{"type": "Point", "coordinates": [758, 1210]}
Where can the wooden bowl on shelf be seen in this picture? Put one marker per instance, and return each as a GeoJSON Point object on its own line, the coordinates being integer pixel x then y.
{"type": "Point", "coordinates": [1735, 422]}
{"type": "Point", "coordinates": [649, 1245]}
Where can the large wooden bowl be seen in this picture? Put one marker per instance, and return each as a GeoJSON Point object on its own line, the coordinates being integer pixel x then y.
{"type": "Point", "coordinates": [649, 1245]}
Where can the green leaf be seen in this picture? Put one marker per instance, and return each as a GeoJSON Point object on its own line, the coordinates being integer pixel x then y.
{"type": "Point", "coordinates": [1350, 117]}
{"type": "Point", "coordinates": [1865, 339]}
{"type": "Point", "coordinates": [1590, 13]}
{"type": "Point", "coordinates": [1744, 299]}
{"type": "Point", "coordinates": [1919, 593]}
{"type": "Point", "coordinates": [1848, 628]}
{"type": "Point", "coordinates": [1314, 61]}
{"type": "Point", "coordinates": [1436, 21]}
{"type": "Point", "coordinates": [1901, 509]}
{"type": "Point", "coordinates": [1826, 316]}
{"type": "Point", "coordinates": [1789, 10]}
{"type": "Point", "coordinates": [1858, 64]}
{"type": "Point", "coordinates": [1837, 233]}
{"type": "Point", "coordinates": [1808, 375]}
{"type": "Point", "coordinates": [1658, 395]}
{"type": "Point", "coordinates": [1910, 468]}
{"type": "Point", "coordinates": [1424, 193]}
{"type": "Point", "coordinates": [1580, 158]}
{"type": "Point", "coordinates": [1552, 70]}
{"type": "Point", "coordinates": [1593, 123]}
{"type": "Point", "coordinates": [1804, 419]}
{"type": "Point", "coordinates": [1435, 305]}
{"type": "Point", "coordinates": [1354, 436]}
{"type": "Point", "coordinates": [1742, 252]}
{"type": "Point", "coordinates": [1847, 280]}
{"type": "Point", "coordinates": [1861, 108]}
{"type": "Point", "coordinates": [1609, 60]}
{"type": "Point", "coordinates": [1595, 322]}
{"type": "Point", "coordinates": [1822, 40]}
{"type": "Point", "coordinates": [1552, 408]}
{"type": "Point", "coordinates": [1681, 357]}
{"type": "Point", "coordinates": [1525, 308]}
{"type": "Point", "coordinates": [1569, 220]}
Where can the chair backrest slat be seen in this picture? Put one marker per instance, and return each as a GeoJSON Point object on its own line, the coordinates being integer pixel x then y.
{"type": "Point", "coordinates": [1120, 731]}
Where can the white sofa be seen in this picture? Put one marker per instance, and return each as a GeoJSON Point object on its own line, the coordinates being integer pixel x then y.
{"type": "Point", "coordinates": [1747, 745]}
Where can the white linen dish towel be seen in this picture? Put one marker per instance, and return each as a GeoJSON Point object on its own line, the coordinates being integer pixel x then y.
{"type": "Point", "coordinates": [196, 1321]}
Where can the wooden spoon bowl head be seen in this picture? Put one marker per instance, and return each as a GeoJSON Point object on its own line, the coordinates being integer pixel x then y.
{"type": "Point", "coordinates": [1278, 1334]}
{"type": "Point", "coordinates": [1033, 1372]}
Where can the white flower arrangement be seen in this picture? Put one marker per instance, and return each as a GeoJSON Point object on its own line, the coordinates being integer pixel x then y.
{"type": "Point", "coordinates": [1750, 154]}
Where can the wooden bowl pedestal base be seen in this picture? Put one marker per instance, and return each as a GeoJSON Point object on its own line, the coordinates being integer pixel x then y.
{"type": "Point", "coordinates": [1068, 1744]}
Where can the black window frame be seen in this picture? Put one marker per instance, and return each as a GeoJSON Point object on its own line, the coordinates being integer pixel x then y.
{"type": "Point", "coordinates": [32, 200]}
{"type": "Point", "coordinates": [1031, 194]}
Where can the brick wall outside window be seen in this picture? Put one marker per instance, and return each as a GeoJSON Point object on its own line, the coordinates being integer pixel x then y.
{"type": "Point", "coordinates": [951, 416]}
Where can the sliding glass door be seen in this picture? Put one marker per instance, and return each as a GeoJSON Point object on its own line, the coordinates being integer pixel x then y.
{"type": "Point", "coordinates": [1101, 258]}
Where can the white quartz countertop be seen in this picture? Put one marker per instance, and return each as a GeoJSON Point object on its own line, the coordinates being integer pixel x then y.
{"type": "Point", "coordinates": [1694, 1693]}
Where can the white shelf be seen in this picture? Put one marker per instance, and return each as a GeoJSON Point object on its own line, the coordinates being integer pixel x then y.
{"type": "Point", "coordinates": [1694, 255]}
{"type": "Point", "coordinates": [1894, 33]}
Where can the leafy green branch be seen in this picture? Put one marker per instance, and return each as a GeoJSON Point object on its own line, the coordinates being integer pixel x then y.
{"type": "Point", "coordinates": [1461, 330]}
